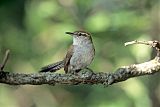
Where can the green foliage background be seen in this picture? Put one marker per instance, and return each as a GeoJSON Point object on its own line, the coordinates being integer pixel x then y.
{"type": "Point", "coordinates": [34, 31]}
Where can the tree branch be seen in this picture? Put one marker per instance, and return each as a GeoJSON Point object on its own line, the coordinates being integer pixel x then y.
{"type": "Point", "coordinates": [86, 76]}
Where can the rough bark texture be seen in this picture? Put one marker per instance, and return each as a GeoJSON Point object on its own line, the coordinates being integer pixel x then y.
{"type": "Point", "coordinates": [84, 77]}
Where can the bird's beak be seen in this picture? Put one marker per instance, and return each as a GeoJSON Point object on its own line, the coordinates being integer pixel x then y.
{"type": "Point", "coordinates": [69, 33]}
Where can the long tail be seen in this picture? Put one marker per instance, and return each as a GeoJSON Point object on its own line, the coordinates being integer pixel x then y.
{"type": "Point", "coordinates": [53, 67]}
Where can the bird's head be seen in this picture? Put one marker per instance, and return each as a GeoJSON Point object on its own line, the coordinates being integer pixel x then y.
{"type": "Point", "coordinates": [80, 37]}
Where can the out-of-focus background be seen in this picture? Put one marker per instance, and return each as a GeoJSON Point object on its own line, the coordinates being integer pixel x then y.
{"type": "Point", "coordinates": [34, 31]}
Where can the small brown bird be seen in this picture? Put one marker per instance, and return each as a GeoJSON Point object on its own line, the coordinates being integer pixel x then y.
{"type": "Point", "coordinates": [79, 55]}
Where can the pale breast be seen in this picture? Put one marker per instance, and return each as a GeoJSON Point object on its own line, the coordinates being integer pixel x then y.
{"type": "Point", "coordinates": [82, 56]}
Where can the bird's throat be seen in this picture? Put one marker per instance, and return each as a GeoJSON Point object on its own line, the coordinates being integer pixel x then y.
{"type": "Point", "coordinates": [81, 41]}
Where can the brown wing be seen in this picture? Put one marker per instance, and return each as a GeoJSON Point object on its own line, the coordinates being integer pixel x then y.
{"type": "Point", "coordinates": [67, 59]}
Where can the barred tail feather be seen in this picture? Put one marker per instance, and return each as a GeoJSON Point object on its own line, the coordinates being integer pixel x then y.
{"type": "Point", "coordinates": [53, 67]}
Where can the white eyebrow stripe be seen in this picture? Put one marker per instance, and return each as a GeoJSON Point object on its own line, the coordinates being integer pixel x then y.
{"type": "Point", "coordinates": [81, 33]}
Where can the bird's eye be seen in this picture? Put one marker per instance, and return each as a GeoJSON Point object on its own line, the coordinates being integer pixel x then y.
{"type": "Point", "coordinates": [80, 34]}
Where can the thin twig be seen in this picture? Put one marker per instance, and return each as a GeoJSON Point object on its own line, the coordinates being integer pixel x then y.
{"type": "Point", "coordinates": [139, 42]}
{"type": "Point", "coordinates": [4, 60]}
{"type": "Point", "coordinates": [155, 44]}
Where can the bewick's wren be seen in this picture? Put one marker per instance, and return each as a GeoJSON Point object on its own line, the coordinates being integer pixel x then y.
{"type": "Point", "coordinates": [79, 55]}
